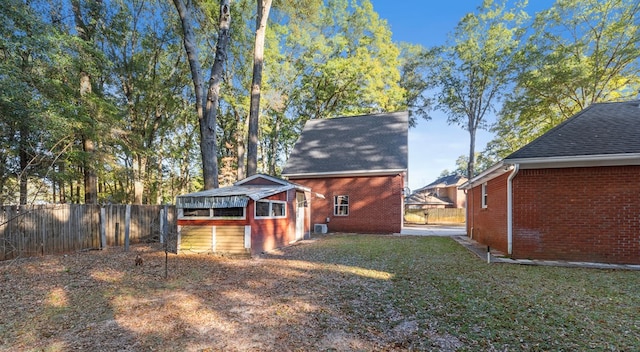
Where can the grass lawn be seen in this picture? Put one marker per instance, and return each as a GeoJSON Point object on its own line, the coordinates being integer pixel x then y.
{"type": "Point", "coordinates": [337, 292]}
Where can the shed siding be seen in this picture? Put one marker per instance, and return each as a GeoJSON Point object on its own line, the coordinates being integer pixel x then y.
{"type": "Point", "coordinates": [375, 202]}
{"type": "Point", "coordinates": [578, 214]}
{"type": "Point", "coordinates": [489, 225]}
{"type": "Point", "coordinates": [230, 239]}
{"type": "Point", "coordinates": [267, 234]}
{"type": "Point", "coordinates": [196, 239]}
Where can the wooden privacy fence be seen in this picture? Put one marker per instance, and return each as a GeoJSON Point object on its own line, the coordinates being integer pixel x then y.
{"type": "Point", "coordinates": [434, 216]}
{"type": "Point", "coordinates": [60, 228]}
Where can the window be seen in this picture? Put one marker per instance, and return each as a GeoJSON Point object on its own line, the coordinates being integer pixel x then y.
{"type": "Point", "coordinates": [193, 212]}
{"type": "Point", "coordinates": [271, 209]}
{"type": "Point", "coordinates": [340, 205]}
{"type": "Point", "coordinates": [236, 212]}
{"type": "Point", "coordinates": [214, 213]}
{"type": "Point", "coordinates": [484, 195]}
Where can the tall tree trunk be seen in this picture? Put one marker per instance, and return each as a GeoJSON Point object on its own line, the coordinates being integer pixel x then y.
{"type": "Point", "coordinates": [86, 31]}
{"type": "Point", "coordinates": [472, 151]}
{"type": "Point", "coordinates": [240, 140]}
{"type": "Point", "coordinates": [23, 155]}
{"type": "Point", "coordinates": [139, 167]}
{"type": "Point", "coordinates": [62, 185]}
{"type": "Point", "coordinates": [275, 140]}
{"type": "Point", "coordinates": [264, 6]}
{"type": "Point", "coordinates": [206, 107]}
{"type": "Point", "coordinates": [90, 178]}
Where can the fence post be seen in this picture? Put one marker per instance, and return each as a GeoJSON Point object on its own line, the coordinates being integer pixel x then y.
{"type": "Point", "coordinates": [165, 231]}
{"type": "Point", "coordinates": [117, 234]}
{"type": "Point", "coordinates": [127, 226]}
{"type": "Point", "coordinates": [103, 228]}
{"type": "Point", "coordinates": [162, 224]}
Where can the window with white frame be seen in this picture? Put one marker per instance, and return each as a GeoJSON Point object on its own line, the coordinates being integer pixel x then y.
{"type": "Point", "coordinates": [484, 195]}
{"type": "Point", "coordinates": [341, 205]}
{"type": "Point", "coordinates": [271, 209]}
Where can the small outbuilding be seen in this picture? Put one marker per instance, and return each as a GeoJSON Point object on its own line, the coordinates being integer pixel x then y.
{"type": "Point", "coordinates": [254, 215]}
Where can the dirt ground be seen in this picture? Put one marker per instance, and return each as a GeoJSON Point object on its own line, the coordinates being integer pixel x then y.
{"type": "Point", "coordinates": [285, 301]}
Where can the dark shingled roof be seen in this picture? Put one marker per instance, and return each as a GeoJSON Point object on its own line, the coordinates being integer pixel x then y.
{"type": "Point", "coordinates": [600, 129]}
{"type": "Point", "coordinates": [366, 143]}
{"type": "Point", "coordinates": [444, 181]}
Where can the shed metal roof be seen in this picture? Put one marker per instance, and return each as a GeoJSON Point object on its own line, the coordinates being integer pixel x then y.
{"type": "Point", "coordinates": [229, 197]}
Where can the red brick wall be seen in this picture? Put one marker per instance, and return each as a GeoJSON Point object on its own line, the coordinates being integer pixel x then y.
{"type": "Point", "coordinates": [578, 214]}
{"type": "Point", "coordinates": [375, 203]}
{"type": "Point", "coordinates": [267, 234]}
{"type": "Point", "coordinates": [489, 225]}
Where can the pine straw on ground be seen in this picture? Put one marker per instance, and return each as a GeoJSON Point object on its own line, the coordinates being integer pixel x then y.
{"type": "Point", "coordinates": [344, 293]}
{"type": "Point", "coordinates": [99, 300]}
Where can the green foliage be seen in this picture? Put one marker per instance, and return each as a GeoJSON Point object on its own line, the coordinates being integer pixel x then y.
{"type": "Point", "coordinates": [415, 62]}
{"type": "Point", "coordinates": [344, 62]}
{"type": "Point", "coordinates": [475, 68]}
{"type": "Point", "coordinates": [580, 52]}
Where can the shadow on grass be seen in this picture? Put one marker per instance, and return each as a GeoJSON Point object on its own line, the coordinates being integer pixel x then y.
{"type": "Point", "coordinates": [340, 292]}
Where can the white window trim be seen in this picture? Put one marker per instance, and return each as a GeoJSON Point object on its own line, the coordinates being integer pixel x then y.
{"type": "Point", "coordinates": [484, 195]}
{"type": "Point", "coordinates": [271, 202]}
{"type": "Point", "coordinates": [335, 206]}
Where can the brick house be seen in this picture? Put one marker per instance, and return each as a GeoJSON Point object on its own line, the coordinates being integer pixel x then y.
{"type": "Point", "coordinates": [359, 164]}
{"type": "Point", "coordinates": [441, 193]}
{"type": "Point", "coordinates": [572, 194]}
{"type": "Point", "coordinates": [256, 214]}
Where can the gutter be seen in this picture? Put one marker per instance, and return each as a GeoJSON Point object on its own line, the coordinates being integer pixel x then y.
{"type": "Point", "coordinates": [514, 172]}
{"type": "Point", "coordinates": [580, 160]}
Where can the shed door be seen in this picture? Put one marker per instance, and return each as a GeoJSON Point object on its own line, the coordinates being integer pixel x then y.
{"type": "Point", "coordinates": [230, 239]}
{"type": "Point", "coordinates": [300, 211]}
{"type": "Point", "coordinates": [196, 239]}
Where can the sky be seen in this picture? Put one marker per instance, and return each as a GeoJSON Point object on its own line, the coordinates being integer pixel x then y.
{"type": "Point", "coordinates": [435, 145]}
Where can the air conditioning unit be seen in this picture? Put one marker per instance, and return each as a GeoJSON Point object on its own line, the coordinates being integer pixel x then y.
{"type": "Point", "coordinates": [320, 228]}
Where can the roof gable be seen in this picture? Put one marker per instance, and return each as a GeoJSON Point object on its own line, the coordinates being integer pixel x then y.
{"type": "Point", "coordinates": [262, 179]}
{"type": "Point", "coordinates": [445, 181]}
{"type": "Point", "coordinates": [600, 129]}
{"type": "Point", "coordinates": [351, 145]}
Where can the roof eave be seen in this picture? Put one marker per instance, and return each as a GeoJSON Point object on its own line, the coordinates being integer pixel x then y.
{"type": "Point", "coordinates": [494, 171]}
{"type": "Point", "coordinates": [576, 161]}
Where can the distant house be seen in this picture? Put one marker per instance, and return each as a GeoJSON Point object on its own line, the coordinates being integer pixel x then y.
{"type": "Point", "coordinates": [572, 194]}
{"type": "Point", "coordinates": [360, 165]}
{"type": "Point", "coordinates": [441, 193]}
{"type": "Point", "coordinates": [256, 214]}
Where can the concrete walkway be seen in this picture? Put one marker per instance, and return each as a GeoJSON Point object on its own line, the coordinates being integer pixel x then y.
{"type": "Point", "coordinates": [499, 257]}
{"type": "Point", "coordinates": [458, 234]}
{"type": "Point", "coordinates": [434, 230]}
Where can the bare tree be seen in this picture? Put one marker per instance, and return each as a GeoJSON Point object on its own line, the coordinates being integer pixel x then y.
{"type": "Point", "coordinates": [264, 6]}
{"type": "Point", "coordinates": [206, 105]}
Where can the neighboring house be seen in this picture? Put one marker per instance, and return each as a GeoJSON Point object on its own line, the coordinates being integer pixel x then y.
{"type": "Point", "coordinates": [572, 194]}
{"type": "Point", "coordinates": [441, 193]}
{"type": "Point", "coordinates": [256, 214]}
{"type": "Point", "coordinates": [360, 165]}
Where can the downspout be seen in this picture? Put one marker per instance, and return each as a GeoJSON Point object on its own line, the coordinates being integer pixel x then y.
{"type": "Point", "coordinates": [514, 171]}
{"type": "Point", "coordinates": [305, 214]}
